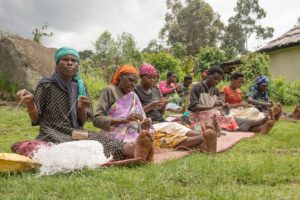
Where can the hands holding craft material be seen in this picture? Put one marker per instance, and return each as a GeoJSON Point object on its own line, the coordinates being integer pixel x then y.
{"type": "Point", "coordinates": [218, 103]}
{"type": "Point", "coordinates": [157, 104]}
{"type": "Point", "coordinates": [134, 117]}
{"type": "Point", "coordinates": [145, 123]}
{"type": "Point", "coordinates": [83, 102]}
{"type": "Point", "coordinates": [24, 96]}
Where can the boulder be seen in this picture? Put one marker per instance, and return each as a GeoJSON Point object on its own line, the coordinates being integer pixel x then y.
{"type": "Point", "coordinates": [24, 62]}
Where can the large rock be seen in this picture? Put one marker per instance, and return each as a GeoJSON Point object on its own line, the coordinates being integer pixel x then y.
{"type": "Point", "coordinates": [23, 62]}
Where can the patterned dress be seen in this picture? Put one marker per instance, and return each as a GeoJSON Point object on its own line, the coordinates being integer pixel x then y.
{"type": "Point", "coordinates": [55, 121]}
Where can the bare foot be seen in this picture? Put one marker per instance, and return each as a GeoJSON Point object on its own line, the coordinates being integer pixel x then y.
{"type": "Point", "coordinates": [271, 114]}
{"type": "Point", "coordinates": [277, 110]}
{"type": "Point", "coordinates": [216, 125]}
{"type": "Point", "coordinates": [210, 139]}
{"type": "Point", "coordinates": [266, 127]}
{"type": "Point", "coordinates": [144, 146]}
{"type": "Point", "coordinates": [295, 114]}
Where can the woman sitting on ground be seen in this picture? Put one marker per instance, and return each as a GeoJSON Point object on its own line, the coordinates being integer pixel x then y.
{"type": "Point", "coordinates": [120, 113]}
{"type": "Point", "coordinates": [258, 94]}
{"type": "Point", "coordinates": [168, 134]}
{"type": "Point", "coordinates": [206, 101]}
{"type": "Point", "coordinates": [234, 98]}
{"type": "Point", "coordinates": [168, 88]}
{"type": "Point", "coordinates": [61, 105]}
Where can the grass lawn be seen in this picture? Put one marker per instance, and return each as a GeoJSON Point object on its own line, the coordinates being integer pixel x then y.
{"type": "Point", "coordinates": [265, 167]}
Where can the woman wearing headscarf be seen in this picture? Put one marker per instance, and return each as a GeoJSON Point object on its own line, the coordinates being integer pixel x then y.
{"type": "Point", "coordinates": [258, 94]}
{"type": "Point", "coordinates": [120, 113]}
{"type": "Point", "coordinates": [60, 106]}
{"type": "Point", "coordinates": [206, 103]}
{"type": "Point", "coordinates": [259, 122]}
{"type": "Point", "coordinates": [234, 98]}
{"type": "Point", "coordinates": [168, 134]}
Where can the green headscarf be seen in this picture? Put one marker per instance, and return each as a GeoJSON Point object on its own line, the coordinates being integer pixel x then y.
{"type": "Point", "coordinates": [66, 51]}
{"type": "Point", "coordinates": [70, 51]}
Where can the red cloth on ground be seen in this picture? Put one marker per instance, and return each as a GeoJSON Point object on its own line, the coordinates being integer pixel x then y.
{"type": "Point", "coordinates": [27, 148]}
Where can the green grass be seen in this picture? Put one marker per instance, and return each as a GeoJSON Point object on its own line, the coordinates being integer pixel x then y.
{"type": "Point", "coordinates": [265, 167]}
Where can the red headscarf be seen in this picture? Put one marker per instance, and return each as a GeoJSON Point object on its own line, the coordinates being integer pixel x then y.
{"type": "Point", "coordinates": [148, 69]}
{"type": "Point", "coordinates": [125, 69]}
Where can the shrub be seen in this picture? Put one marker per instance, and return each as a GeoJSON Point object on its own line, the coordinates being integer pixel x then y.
{"type": "Point", "coordinates": [280, 90]}
{"type": "Point", "coordinates": [254, 65]}
{"type": "Point", "coordinates": [164, 62]}
{"type": "Point", "coordinates": [208, 57]}
{"type": "Point", "coordinates": [8, 89]}
{"type": "Point", "coordinates": [287, 93]}
{"type": "Point", "coordinates": [94, 80]}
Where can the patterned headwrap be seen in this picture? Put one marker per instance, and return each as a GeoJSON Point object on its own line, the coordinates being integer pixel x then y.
{"type": "Point", "coordinates": [125, 69]}
{"type": "Point", "coordinates": [262, 80]}
{"type": "Point", "coordinates": [148, 69]}
{"type": "Point", "coordinates": [70, 51]}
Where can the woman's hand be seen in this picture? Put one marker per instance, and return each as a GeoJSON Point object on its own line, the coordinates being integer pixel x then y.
{"type": "Point", "coordinates": [246, 105]}
{"type": "Point", "coordinates": [218, 103]}
{"type": "Point", "coordinates": [134, 117]}
{"type": "Point", "coordinates": [157, 104]}
{"type": "Point", "coordinates": [25, 96]}
{"type": "Point", "coordinates": [83, 102]}
{"type": "Point", "coordinates": [146, 124]}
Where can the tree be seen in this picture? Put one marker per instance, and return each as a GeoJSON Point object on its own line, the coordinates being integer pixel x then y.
{"type": "Point", "coordinates": [106, 50]}
{"type": "Point", "coordinates": [234, 40]}
{"type": "Point", "coordinates": [127, 52]}
{"type": "Point", "coordinates": [247, 17]}
{"type": "Point", "coordinates": [208, 57]}
{"type": "Point", "coordinates": [254, 65]}
{"type": "Point", "coordinates": [164, 62]}
{"type": "Point", "coordinates": [86, 54]}
{"type": "Point", "coordinates": [111, 52]}
{"type": "Point", "coordinates": [38, 34]}
{"type": "Point", "coordinates": [194, 24]}
{"type": "Point", "coordinates": [153, 46]}
{"type": "Point", "coordinates": [179, 50]}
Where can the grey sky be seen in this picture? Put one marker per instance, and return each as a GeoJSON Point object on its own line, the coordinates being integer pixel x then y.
{"type": "Point", "coordinates": [79, 23]}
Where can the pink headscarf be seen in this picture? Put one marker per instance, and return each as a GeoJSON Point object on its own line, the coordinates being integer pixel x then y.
{"type": "Point", "coordinates": [148, 69]}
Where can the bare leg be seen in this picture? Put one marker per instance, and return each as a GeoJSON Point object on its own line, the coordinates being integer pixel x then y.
{"type": "Point", "coordinates": [192, 133]}
{"type": "Point", "coordinates": [191, 142]}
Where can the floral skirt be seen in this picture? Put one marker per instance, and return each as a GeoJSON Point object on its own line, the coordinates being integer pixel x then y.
{"type": "Point", "coordinates": [226, 122]}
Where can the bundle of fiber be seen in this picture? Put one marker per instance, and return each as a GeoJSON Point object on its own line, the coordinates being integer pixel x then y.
{"type": "Point", "coordinates": [69, 156]}
{"type": "Point", "coordinates": [11, 162]}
